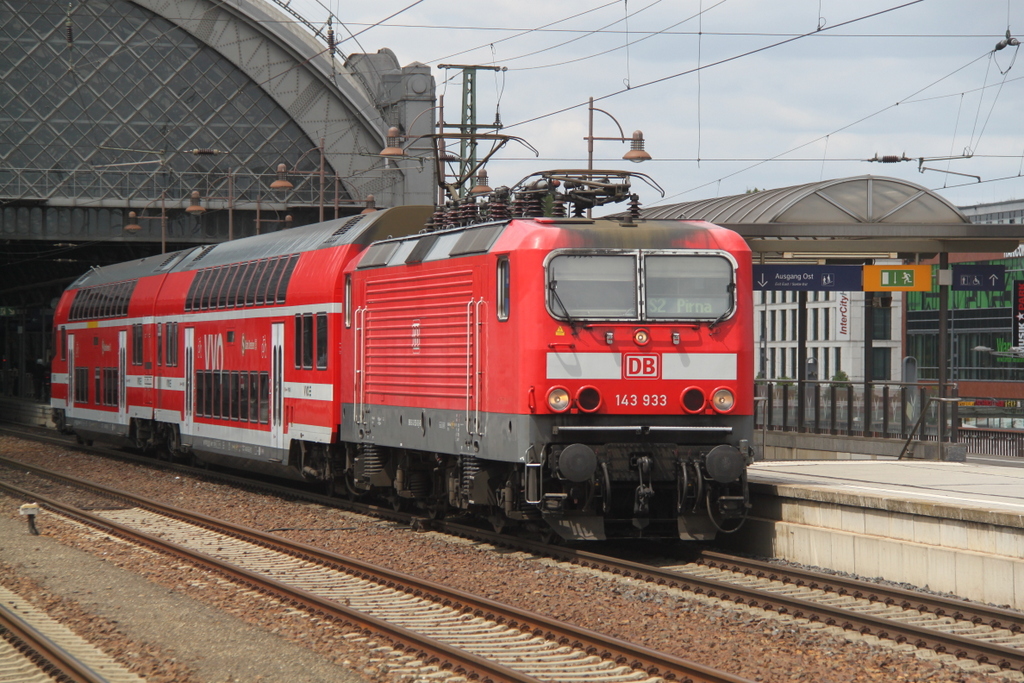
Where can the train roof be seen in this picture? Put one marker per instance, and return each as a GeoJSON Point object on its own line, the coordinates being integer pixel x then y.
{"type": "Point", "coordinates": [361, 229]}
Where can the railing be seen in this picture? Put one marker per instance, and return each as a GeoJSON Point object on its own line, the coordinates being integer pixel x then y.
{"type": "Point", "coordinates": [992, 442]}
{"type": "Point", "coordinates": [881, 409]}
{"type": "Point", "coordinates": [887, 410]}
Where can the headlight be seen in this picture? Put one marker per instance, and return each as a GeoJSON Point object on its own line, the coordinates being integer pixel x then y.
{"type": "Point", "coordinates": [641, 337]}
{"type": "Point", "coordinates": [723, 400]}
{"type": "Point", "coordinates": [692, 400]}
{"type": "Point", "coordinates": [558, 400]}
{"type": "Point", "coordinates": [588, 399]}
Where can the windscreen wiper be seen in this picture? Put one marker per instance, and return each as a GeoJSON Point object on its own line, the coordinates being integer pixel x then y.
{"type": "Point", "coordinates": [553, 286]}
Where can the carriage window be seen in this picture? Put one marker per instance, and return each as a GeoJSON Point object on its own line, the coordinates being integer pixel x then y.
{"type": "Point", "coordinates": [503, 288]}
{"type": "Point", "coordinates": [348, 301]}
{"type": "Point", "coordinates": [213, 393]}
{"type": "Point", "coordinates": [137, 344]}
{"type": "Point", "coordinates": [298, 340]}
{"type": "Point", "coordinates": [190, 298]}
{"type": "Point", "coordinates": [247, 293]}
{"type": "Point", "coordinates": [200, 393]}
{"type": "Point", "coordinates": [228, 288]}
{"type": "Point", "coordinates": [259, 283]}
{"type": "Point", "coordinates": [282, 286]}
{"type": "Point", "coordinates": [159, 345]}
{"type": "Point", "coordinates": [208, 283]}
{"type": "Point", "coordinates": [235, 407]}
{"type": "Point", "coordinates": [243, 396]}
{"type": "Point", "coordinates": [593, 286]}
{"type": "Point", "coordinates": [269, 283]}
{"type": "Point", "coordinates": [81, 385]}
{"type": "Point", "coordinates": [110, 386]}
{"type": "Point", "coordinates": [63, 343]}
{"type": "Point", "coordinates": [254, 405]}
{"type": "Point", "coordinates": [225, 395]}
{"type": "Point", "coordinates": [171, 336]}
{"type": "Point", "coordinates": [321, 341]}
{"type": "Point", "coordinates": [687, 287]}
{"type": "Point", "coordinates": [98, 396]}
{"type": "Point", "coordinates": [264, 397]}
{"type": "Point", "coordinates": [307, 341]}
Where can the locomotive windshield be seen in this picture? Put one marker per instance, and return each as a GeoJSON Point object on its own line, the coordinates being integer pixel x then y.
{"type": "Point", "coordinates": [640, 286]}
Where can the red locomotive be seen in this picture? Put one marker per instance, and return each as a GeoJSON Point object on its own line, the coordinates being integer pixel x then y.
{"type": "Point", "coordinates": [590, 377]}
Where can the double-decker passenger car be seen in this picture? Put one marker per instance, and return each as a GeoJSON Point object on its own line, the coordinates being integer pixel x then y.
{"type": "Point", "coordinates": [590, 377]}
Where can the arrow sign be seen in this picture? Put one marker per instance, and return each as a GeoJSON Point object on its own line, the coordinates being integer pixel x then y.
{"type": "Point", "coordinates": [978, 278]}
{"type": "Point", "coordinates": [807, 277]}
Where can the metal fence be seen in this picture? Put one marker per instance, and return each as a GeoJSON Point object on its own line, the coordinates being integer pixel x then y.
{"type": "Point", "coordinates": [887, 410]}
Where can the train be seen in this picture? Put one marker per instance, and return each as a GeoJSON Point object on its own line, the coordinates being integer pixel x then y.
{"type": "Point", "coordinates": [506, 356]}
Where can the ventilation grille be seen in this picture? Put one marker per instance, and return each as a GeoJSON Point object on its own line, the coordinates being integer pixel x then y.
{"type": "Point", "coordinates": [346, 226]}
{"type": "Point", "coordinates": [203, 253]}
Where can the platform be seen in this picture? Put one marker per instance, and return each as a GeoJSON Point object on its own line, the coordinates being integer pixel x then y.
{"type": "Point", "coordinates": [25, 412]}
{"type": "Point", "coordinates": [953, 527]}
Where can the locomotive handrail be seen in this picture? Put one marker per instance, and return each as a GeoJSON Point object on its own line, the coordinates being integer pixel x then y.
{"type": "Point", "coordinates": [469, 365]}
{"type": "Point", "coordinates": [358, 366]}
{"type": "Point", "coordinates": [478, 378]}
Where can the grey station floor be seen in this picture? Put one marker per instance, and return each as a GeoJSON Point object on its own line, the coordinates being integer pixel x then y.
{"type": "Point", "coordinates": [974, 484]}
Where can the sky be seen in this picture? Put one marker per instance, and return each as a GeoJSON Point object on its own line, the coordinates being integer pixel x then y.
{"type": "Point", "coordinates": [731, 95]}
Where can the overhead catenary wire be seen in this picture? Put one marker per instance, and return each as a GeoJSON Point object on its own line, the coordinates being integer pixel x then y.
{"type": "Point", "coordinates": [522, 32]}
{"type": "Point", "coordinates": [709, 65]}
{"type": "Point", "coordinates": [652, 34]}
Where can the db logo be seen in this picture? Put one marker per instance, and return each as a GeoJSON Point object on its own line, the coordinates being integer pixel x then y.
{"type": "Point", "coordinates": [644, 366]}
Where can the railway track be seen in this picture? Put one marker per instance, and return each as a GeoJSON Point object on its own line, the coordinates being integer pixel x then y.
{"type": "Point", "coordinates": [984, 634]}
{"type": "Point", "coordinates": [37, 649]}
{"type": "Point", "coordinates": [474, 636]}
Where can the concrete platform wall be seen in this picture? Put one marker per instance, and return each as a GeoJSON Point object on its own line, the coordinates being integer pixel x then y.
{"type": "Point", "coordinates": [24, 412]}
{"type": "Point", "coordinates": [798, 446]}
{"type": "Point", "coordinates": [974, 554]}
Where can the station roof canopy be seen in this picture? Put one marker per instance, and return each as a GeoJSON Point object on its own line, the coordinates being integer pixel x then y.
{"type": "Point", "coordinates": [864, 216]}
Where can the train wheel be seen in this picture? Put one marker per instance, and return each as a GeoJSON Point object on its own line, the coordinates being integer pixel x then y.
{"type": "Point", "coordinates": [348, 486]}
{"type": "Point", "coordinates": [436, 509]}
{"type": "Point", "coordinates": [499, 522]}
{"type": "Point", "coordinates": [398, 503]}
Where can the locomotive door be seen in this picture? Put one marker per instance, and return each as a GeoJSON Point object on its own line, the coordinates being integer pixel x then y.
{"type": "Point", "coordinates": [122, 371]}
{"type": "Point", "coordinates": [190, 380]}
{"type": "Point", "coordinates": [276, 385]}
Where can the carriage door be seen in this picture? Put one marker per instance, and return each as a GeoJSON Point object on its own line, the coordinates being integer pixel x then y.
{"type": "Point", "coordinates": [190, 380]}
{"type": "Point", "coordinates": [122, 371]}
{"type": "Point", "coordinates": [71, 376]}
{"type": "Point", "coordinates": [277, 385]}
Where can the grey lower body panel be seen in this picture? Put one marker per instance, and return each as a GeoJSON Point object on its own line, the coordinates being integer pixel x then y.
{"type": "Point", "coordinates": [508, 437]}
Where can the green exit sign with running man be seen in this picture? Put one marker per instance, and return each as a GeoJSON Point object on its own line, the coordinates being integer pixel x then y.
{"type": "Point", "coordinates": [897, 278]}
